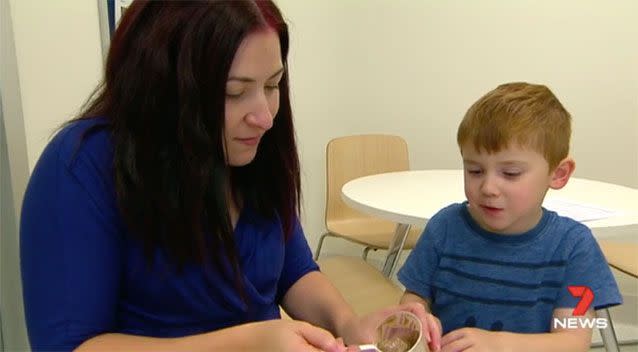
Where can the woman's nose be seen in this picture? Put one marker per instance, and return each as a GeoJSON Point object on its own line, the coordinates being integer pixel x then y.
{"type": "Point", "coordinates": [261, 119]}
{"type": "Point", "coordinates": [261, 116]}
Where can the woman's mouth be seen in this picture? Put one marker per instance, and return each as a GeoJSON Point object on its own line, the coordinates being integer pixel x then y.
{"type": "Point", "coordinates": [248, 141]}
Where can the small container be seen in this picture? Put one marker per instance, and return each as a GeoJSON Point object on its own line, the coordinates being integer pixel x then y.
{"type": "Point", "coordinates": [400, 332]}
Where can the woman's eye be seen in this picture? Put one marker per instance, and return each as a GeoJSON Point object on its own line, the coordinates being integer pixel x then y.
{"type": "Point", "coordinates": [474, 172]}
{"type": "Point", "coordinates": [272, 87]}
{"type": "Point", "coordinates": [234, 94]}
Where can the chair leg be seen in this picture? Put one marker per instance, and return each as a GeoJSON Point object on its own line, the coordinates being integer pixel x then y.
{"type": "Point", "coordinates": [367, 250]}
{"type": "Point", "coordinates": [320, 244]}
{"type": "Point", "coordinates": [608, 334]}
{"type": "Point", "coordinates": [394, 250]}
{"type": "Point", "coordinates": [364, 255]}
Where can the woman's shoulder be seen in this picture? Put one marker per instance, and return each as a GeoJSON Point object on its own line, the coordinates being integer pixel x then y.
{"type": "Point", "coordinates": [77, 162]}
{"type": "Point", "coordinates": [85, 139]}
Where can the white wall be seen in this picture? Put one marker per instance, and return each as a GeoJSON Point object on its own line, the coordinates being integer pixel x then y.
{"type": "Point", "coordinates": [59, 63]}
{"type": "Point", "coordinates": [50, 60]}
{"type": "Point", "coordinates": [407, 67]}
{"type": "Point", "coordinates": [14, 171]}
{"type": "Point", "coordinates": [413, 68]}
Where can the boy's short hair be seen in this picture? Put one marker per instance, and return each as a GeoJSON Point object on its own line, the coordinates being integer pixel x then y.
{"type": "Point", "coordinates": [523, 113]}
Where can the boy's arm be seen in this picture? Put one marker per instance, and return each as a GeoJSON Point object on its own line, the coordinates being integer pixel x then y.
{"type": "Point", "coordinates": [559, 339]}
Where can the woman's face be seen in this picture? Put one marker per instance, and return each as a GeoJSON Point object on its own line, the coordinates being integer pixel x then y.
{"type": "Point", "coordinates": [252, 95]}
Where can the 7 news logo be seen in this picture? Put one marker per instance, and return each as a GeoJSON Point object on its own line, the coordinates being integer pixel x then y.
{"type": "Point", "coordinates": [577, 320]}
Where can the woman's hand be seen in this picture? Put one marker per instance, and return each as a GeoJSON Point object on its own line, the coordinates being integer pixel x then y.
{"type": "Point", "coordinates": [292, 335]}
{"type": "Point", "coordinates": [263, 336]}
{"type": "Point", "coordinates": [362, 330]}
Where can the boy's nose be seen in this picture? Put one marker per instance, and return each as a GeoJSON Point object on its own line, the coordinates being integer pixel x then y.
{"type": "Point", "coordinates": [489, 186]}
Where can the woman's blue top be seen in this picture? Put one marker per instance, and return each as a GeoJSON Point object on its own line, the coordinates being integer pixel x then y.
{"type": "Point", "coordinates": [84, 275]}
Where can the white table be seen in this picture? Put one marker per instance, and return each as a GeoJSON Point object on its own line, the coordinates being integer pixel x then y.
{"type": "Point", "coordinates": [412, 197]}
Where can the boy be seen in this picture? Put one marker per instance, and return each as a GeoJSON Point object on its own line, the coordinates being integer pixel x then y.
{"type": "Point", "coordinates": [496, 269]}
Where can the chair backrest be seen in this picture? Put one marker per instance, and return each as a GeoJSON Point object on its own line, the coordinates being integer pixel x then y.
{"type": "Point", "coordinates": [351, 157]}
{"type": "Point", "coordinates": [621, 255]}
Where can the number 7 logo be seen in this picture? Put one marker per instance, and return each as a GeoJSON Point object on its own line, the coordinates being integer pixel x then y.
{"type": "Point", "coordinates": [586, 298]}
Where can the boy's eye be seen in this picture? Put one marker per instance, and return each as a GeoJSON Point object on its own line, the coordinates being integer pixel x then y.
{"type": "Point", "coordinates": [473, 171]}
{"type": "Point", "coordinates": [512, 174]}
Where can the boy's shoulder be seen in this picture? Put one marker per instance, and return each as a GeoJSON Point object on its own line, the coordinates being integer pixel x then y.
{"type": "Point", "coordinates": [450, 214]}
{"type": "Point", "coordinates": [570, 235]}
{"type": "Point", "coordinates": [446, 222]}
{"type": "Point", "coordinates": [451, 211]}
{"type": "Point", "coordinates": [568, 228]}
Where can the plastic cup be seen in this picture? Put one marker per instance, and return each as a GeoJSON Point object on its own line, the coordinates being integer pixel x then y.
{"type": "Point", "coordinates": [402, 331]}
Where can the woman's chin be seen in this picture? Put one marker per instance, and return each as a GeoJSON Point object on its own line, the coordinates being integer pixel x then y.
{"type": "Point", "coordinates": [241, 160]}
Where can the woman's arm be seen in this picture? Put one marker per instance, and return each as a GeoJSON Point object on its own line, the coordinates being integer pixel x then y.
{"type": "Point", "coordinates": [313, 298]}
{"type": "Point", "coordinates": [272, 335]}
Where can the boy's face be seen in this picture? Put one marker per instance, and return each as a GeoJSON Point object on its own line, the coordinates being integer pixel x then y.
{"type": "Point", "coordinates": [505, 190]}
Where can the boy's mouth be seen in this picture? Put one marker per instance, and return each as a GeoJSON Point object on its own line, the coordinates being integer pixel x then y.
{"type": "Point", "coordinates": [491, 210]}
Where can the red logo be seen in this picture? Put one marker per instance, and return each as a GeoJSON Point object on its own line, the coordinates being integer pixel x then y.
{"type": "Point", "coordinates": [586, 298]}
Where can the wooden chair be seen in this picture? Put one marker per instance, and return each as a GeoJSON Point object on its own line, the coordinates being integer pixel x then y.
{"type": "Point", "coordinates": [361, 284]}
{"type": "Point", "coordinates": [351, 157]}
{"type": "Point", "coordinates": [622, 256]}
{"type": "Point", "coordinates": [364, 287]}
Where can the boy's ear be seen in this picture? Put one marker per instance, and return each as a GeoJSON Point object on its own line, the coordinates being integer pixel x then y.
{"type": "Point", "coordinates": [562, 173]}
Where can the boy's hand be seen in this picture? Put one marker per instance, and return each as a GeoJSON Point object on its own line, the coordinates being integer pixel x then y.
{"type": "Point", "coordinates": [363, 329]}
{"type": "Point", "coordinates": [431, 326]}
{"type": "Point", "coordinates": [471, 340]}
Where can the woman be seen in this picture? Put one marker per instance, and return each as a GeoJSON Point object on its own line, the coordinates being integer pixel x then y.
{"type": "Point", "coordinates": [165, 217]}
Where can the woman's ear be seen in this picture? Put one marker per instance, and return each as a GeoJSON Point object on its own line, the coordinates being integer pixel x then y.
{"type": "Point", "coordinates": [562, 173]}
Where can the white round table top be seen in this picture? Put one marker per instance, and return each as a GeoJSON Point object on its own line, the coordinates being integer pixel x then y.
{"type": "Point", "coordinates": [412, 197]}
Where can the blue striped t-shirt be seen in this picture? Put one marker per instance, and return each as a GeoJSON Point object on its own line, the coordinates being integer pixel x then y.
{"type": "Point", "coordinates": [475, 278]}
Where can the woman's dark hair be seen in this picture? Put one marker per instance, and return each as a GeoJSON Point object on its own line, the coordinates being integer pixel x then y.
{"type": "Point", "coordinates": [164, 95]}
